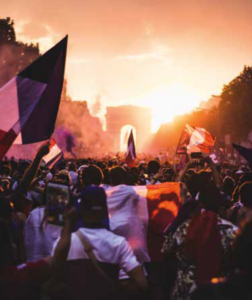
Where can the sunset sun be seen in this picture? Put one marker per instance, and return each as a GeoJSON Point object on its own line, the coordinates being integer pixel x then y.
{"type": "Point", "coordinates": [169, 101]}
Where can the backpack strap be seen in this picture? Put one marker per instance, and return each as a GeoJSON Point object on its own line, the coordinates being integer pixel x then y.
{"type": "Point", "coordinates": [89, 250]}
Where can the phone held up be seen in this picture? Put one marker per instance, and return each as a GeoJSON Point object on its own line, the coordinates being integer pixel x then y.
{"type": "Point", "coordinates": [58, 198]}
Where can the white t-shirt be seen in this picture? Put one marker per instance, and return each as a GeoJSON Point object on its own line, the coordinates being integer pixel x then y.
{"type": "Point", "coordinates": [107, 247]}
{"type": "Point", "coordinates": [74, 177]}
{"type": "Point", "coordinates": [39, 241]}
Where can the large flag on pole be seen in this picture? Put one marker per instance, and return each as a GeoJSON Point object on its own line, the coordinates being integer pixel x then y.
{"type": "Point", "coordinates": [131, 152]}
{"type": "Point", "coordinates": [195, 139]}
{"type": "Point", "coordinates": [29, 102]}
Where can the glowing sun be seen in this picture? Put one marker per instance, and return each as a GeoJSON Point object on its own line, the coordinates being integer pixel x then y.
{"type": "Point", "coordinates": [169, 101]}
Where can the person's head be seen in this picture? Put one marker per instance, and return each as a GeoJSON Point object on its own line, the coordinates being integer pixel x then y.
{"type": "Point", "coordinates": [228, 186]}
{"type": "Point", "coordinates": [93, 206]}
{"type": "Point", "coordinates": [153, 167]}
{"type": "Point", "coordinates": [246, 194]}
{"type": "Point", "coordinates": [5, 170]}
{"type": "Point", "coordinates": [92, 175]}
{"type": "Point", "coordinates": [117, 175]}
{"type": "Point", "coordinates": [61, 166]}
{"type": "Point", "coordinates": [131, 178]}
{"type": "Point", "coordinates": [63, 177]}
{"type": "Point", "coordinates": [5, 184]}
{"type": "Point", "coordinates": [210, 198]}
{"type": "Point", "coordinates": [71, 166]}
{"type": "Point", "coordinates": [101, 165]}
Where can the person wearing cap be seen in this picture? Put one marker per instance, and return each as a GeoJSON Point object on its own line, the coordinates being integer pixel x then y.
{"type": "Point", "coordinates": [106, 246]}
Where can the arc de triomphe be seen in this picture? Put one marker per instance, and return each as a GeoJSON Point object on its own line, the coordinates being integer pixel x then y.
{"type": "Point", "coordinates": [138, 117]}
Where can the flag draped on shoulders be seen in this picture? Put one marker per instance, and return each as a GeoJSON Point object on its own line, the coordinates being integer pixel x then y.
{"type": "Point", "coordinates": [141, 214]}
{"type": "Point", "coordinates": [131, 151]}
{"type": "Point", "coordinates": [195, 139]}
{"type": "Point", "coordinates": [29, 102]}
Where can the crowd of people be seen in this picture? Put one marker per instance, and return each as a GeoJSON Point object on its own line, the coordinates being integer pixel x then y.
{"type": "Point", "coordinates": [56, 241]}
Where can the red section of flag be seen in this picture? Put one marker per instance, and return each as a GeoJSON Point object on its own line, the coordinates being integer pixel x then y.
{"type": "Point", "coordinates": [52, 143]}
{"type": "Point", "coordinates": [6, 141]}
{"type": "Point", "coordinates": [195, 139]}
{"type": "Point", "coordinates": [131, 152]}
{"type": "Point", "coordinates": [164, 203]}
{"type": "Point", "coordinates": [184, 141]}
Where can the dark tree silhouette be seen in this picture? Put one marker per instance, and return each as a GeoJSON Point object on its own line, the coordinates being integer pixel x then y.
{"type": "Point", "coordinates": [236, 106]}
{"type": "Point", "coordinates": [14, 55]}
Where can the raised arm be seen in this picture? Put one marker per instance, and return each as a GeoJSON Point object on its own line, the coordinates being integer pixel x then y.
{"type": "Point", "coordinates": [32, 170]}
{"type": "Point", "coordinates": [215, 173]}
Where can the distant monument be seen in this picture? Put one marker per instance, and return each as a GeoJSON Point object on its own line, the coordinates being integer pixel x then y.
{"type": "Point", "coordinates": [138, 117]}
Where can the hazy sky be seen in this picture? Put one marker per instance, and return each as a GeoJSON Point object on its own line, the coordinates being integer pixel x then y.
{"type": "Point", "coordinates": [142, 51]}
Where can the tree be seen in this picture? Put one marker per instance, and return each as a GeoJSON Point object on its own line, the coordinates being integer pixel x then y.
{"type": "Point", "coordinates": [14, 55]}
{"type": "Point", "coordinates": [236, 106]}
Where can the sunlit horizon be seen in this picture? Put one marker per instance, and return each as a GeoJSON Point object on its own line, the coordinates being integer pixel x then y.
{"type": "Point", "coordinates": [169, 55]}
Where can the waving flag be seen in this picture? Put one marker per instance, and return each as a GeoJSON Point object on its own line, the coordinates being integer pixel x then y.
{"type": "Point", "coordinates": [195, 139]}
{"type": "Point", "coordinates": [54, 156]}
{"type": "Point", "coordinates": [141, 213]}
{"type": "Point", "coordinates": [246, 153]}
{"type": "Point", "coordinates": [29, 102]}
{"type": "Point", "coordinates": [131, 151]}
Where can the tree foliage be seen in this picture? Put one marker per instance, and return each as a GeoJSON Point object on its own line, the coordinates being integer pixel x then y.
{"type": "Point", "coordinates": [236, 106]}
{"type": "Point", "coordinates": [14, 55]}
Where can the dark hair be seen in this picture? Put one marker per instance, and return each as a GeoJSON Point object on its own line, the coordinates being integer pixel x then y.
{"type": "Point", "coordinates": [92, 175]}
{"type": "Point", "coordinates": [117, 175]}
{"type": "Point", "coordinates": [246, 194]}
{"type": "Point", "coordinates": [61, 166]}
{"type": "Point", "coordinates": [211, 198]}
{"type": "Point", "coordinates": [5, 170]}
{"type": "Point", "coordinates": [228, 186]}
{"type": "Point", "coordinates": [71, 166]}
{"type": "Point", "coordinates": [153, 167]}
{"type": "Point", "coordinates": [131, 178]}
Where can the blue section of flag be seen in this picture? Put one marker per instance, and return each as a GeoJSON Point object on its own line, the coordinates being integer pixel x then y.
{"type": "Point", "coordinates": [48, 69]}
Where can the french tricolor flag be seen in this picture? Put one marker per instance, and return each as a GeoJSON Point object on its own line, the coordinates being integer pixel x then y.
{"type": "Point", "coordinates": [195, 139]}
{"type": "Point", "coordinates": [29, 102]}
{"type": "Point", "coordinates": [142, 213]}
{"type": "Point", "coordinates": [131, 151]}
{"type": "Point", "coordinates": [54, 156]}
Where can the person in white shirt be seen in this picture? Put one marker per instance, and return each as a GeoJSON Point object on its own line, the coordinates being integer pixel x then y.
{"type": "Point", "coordinates": [39, 236]}
{"type": "Point", "coordinates": [106, 246]}
{"type": "Point", "coordinates": [72, 172]}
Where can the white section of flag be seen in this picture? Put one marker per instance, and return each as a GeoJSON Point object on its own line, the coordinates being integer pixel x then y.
{"type": "Point", "coordinates": [128, 213]}
{"type": "Point", "coordinates": [55, 150]}
{"type": "Point", "coordinates": [9, 105]}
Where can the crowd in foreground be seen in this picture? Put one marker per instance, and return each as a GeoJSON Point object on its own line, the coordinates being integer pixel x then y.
{"type": "Point", "coordinates": [56, 242]}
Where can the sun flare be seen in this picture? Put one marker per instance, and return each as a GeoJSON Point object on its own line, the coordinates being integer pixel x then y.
{"type": "Point", "coordinates": [169, 101]}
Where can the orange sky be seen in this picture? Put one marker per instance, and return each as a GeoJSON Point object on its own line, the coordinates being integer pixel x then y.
{"type": "Point", "coordinates": [135, 51]}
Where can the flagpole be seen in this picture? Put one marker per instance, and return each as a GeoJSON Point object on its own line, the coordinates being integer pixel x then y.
{"type": "Point", "coordinates": [174, 162]}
